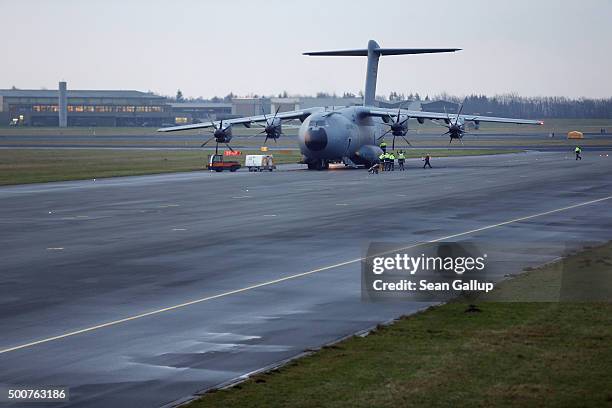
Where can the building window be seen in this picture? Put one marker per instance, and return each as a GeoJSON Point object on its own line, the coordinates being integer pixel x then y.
{"type": "Point", "coordinates": [148, 108]}
{"type": "Point", "coordinates": [126, 108]}
{"type": "Point", "coordinates": [180, 120]}
{"type": "Point", "coordinates": [45, 108]}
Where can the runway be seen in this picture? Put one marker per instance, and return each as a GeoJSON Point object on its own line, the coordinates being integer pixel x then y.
{"type": "Point", "coordinates": [140, 291]}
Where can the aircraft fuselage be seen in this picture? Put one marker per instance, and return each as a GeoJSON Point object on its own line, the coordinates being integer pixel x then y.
{"type": "Point", "coordinates": [334, 135]}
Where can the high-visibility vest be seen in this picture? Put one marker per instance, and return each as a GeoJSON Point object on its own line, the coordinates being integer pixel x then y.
{"type": "Point", "coordinates": [401, 156]}
{"type": "Point", "coordinates": [381, 157]}
{"type": "Point", "coordinates": [578, 150]}
{"type": "Point", "coordinates": [383, 144]}
{"type": "Point", "coordinates": [392, 156]}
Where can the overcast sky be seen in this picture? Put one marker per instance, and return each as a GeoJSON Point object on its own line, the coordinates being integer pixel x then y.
{"type": "Point", "coordinates": [207, 48]}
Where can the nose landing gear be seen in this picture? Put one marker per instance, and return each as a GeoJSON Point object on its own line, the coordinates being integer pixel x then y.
{"type": "Point", "coordinates": [318, 164]}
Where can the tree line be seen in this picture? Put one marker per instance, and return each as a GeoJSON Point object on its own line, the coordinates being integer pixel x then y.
{"type": "Point", "coordinates": [509, 105]}
{"type": "Point", "coordinates": [535, 107]}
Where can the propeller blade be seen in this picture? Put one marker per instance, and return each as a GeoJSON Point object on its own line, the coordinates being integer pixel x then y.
{"type": "Point", "coordinates": [403, 137]}
{"type": "Point", "coordinates": [265, 140]}
{"type": "Point", "coordinates": [264, 115]}
{"type": "Point", "coordinates": [393, 143]}
{"type": "Point", "coordinates": [211, 121]}
{"type": "Point", "coordinates": [459, 112]}
{"type": "Point", "coordinates": [399, 112]}
{"type": "Point", "coordinates": [384, 134]}
{"type": "Point", "coordinates": [276, 113]}
{"type": "Point", "coordinates": [204, 144]}
{"type": "Point", "coordinates": [229, 147]}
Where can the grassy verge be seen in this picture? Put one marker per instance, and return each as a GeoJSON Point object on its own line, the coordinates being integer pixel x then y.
{"type": "Point", "coordinates": [19, 166]}
{"type": "Point", "coordinates": [508, 354]}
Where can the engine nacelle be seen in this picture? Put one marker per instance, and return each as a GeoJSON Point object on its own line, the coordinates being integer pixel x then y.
{"type": "Point", "coordinates": [274, 128]}
{"type": "Point", "coordinates": [223, 134]}
{"type": "Point", "coordinates": [399, 128]}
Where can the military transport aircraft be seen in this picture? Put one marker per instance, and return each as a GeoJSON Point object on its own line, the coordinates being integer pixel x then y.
{"type": "Point", "coordinates": [350, 134]}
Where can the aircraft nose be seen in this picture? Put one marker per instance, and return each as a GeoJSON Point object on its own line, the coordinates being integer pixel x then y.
{"type": "Point", "coordinates": [315, 139]}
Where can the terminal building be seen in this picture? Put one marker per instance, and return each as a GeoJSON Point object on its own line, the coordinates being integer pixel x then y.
{"type": "Point", "coordinates": [83, 108]}
{"type": "Point", "coordinates": [63, 107]}
{"type": "Point", "coordinates": [194, 112]}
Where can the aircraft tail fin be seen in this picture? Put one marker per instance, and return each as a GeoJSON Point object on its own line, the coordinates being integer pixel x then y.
{"type": "Point", "coordinates": [374, 52]}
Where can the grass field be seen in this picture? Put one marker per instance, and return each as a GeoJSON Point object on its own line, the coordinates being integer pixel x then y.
{"type": "Point", "coordinates": [553, 354]}
{"type": "Point", "coordinates": [19, 166]}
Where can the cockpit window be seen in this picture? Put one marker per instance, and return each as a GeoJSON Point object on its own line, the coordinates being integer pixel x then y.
{"type": "Point", "coordinates": [318, 123]}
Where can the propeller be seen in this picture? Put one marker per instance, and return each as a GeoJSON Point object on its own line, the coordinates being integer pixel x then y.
{"type": "Point", "coordinates": [455, 130]}
{"type": "Point", "coordinates": [220, 134]}
{"type": "Point", "coordinates": [272, 128]}
{"type": "Point", "coordinates": [397, 127]}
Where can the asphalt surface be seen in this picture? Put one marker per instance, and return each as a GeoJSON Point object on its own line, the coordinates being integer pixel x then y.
{"type": "Point", "coordinates": [76, 255]}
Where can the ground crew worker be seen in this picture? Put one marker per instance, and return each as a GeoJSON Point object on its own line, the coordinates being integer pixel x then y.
{"type": "Point", "coordinates": [376, 167]}
{"type": "Point", "coordinates": [388, 161]}
{"type": "Point", "coordinates": [426, 159]}
{"type": "Point", "coordinates": [578, 150]}
{"type": "Point", "coordinates": [401, 158]}
{"type": "Point", "coordinates": [392, 161]}
{"type": "Point", "coordinates": [381, 162]}
{"type": "Point", "coordinates": [383, 146]}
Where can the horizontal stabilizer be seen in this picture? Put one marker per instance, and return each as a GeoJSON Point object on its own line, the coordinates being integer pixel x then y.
{"type": "Point", "coordinates": [381, 51]}
{"type": "Point", "coordinates": [374, 52]}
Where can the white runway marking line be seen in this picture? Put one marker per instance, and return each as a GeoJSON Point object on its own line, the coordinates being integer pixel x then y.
{"type": "Point", "coordinates": [55, 249]}
{"type": "Point", "coordinates": [179, 229]}
{"type": "Point", "coordinates": [290, 277]}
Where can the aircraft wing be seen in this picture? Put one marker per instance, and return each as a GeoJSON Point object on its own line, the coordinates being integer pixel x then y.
{"type": "Point", "coordinates": [382, 112]}
{"type": "Point", "coordinates": [246, 121]}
